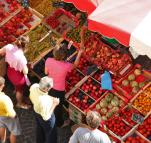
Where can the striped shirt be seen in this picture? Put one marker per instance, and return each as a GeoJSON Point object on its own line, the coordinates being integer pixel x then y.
{"type": "Point", "coordinates": [85, 135]}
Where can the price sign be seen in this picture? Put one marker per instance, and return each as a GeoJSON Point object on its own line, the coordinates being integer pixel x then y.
{"type": "Point", "coordinates": [137, 118]}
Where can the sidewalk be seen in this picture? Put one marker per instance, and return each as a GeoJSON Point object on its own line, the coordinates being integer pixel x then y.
{"type": "Point", "coordinates": [28, 125]}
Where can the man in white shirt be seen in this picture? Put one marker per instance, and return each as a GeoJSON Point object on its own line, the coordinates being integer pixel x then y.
{"type": "Point", "coordinates": [90, 133]}
{"type": "Point", "coordinates": [44, 106]}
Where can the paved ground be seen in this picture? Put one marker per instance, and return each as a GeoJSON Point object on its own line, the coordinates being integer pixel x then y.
{"type": "Point", "coordinates": [28, 123]}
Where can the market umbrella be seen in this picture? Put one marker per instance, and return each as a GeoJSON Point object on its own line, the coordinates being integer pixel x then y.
{"type": "Point", "coordinates": [84, 5]}
{"type": "Point", "coordinates": [126, 20]}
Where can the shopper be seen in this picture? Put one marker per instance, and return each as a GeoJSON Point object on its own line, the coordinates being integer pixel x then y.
{"type": "Point", "coordinates": [89, 133]}
{"type": "Point", "coordinates": [57, 68]}
{"type": "Point", "coordinates": [8, 118]}
{"type": "Point", "coordinates": [17, 67]}
{"type": "Point", "coordinates": [44, 106]}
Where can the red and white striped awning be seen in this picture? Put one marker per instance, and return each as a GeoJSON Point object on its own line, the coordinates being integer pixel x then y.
{"type": "Point", "coordinates": [85, 5]}
{"type": "Point", "coordinates": [129, 21]}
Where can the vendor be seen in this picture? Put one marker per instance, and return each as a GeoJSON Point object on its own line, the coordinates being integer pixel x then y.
{"type": "Point", "coordinates": [57, 68]}
{"type": "Point", "coordinates": [17, 67]}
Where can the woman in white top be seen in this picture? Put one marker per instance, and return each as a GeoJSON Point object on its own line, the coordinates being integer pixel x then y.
{"type": "Point", "coordinates": [17, 67]}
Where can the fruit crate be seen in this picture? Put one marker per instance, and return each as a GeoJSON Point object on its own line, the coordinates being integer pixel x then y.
{"type": "Point", "coordinates": [145, 128]}
{"type": "Point", "coordinates": [133, 82]}
{"type": "Point", "coordinates": [118, 127]}
{"type": "Point", "coordinates": [78, 99]}
{"type": "Point", "coordinates": [109, 104]}
{"type": "Point", "coordinates": [68, 87]}
{"type": "Point", "coordinates": [60, 21]}
{"type": "Point", "coordinates": [19, 24]}
{"type": "Point", "coordinates": [134, 137]}
{"type": "Point", "coordinates": [74, 36]}
{"type": "Point", "coordinates": [142, 101]}
{"type": "Point", "coordinates": [97, 75]}
{"type": "Point", "coordinates": [84, 65]}
{"type": "Point", "coordinates": [75, 119]}
{"type": "Point", "coordinates": [74, 77]}
{"type": "Point", "coordinates": [127, 114]}
{"type": "Point", "coordinates": [91, 44]}
{"type": "Point", "coordinates": [8, 10]}
{"type": "Point", "coordinates": [92, 88]}
{"type": "Point", "coordinates": [112, 60]}
{"type": "Point", "coordinates": [37, 50]}
{"type": "Point", "coordinates": [75, 113]}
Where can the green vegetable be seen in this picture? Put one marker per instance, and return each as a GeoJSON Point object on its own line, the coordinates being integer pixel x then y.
{"type": "Point", "coordinates": [109, 97]}
{"type": "Point", "coordinates": [97, 107]}
{"type": "Point", "coordinates": [131, 77]}
{"type": "Point", "coordinates": [115, 109]}
{"type": "Point", "coordinates": [103, 110]}
{"type": "Point", "coordinates": [115, 102]}
{"type": "Point", "coordinates": [125, 82]}
{"type": "Point", "coordinates": [109, 114]}
{"type": "Point", "coordinates": [103, 103]}
{"type": "Point", "coordinates": [141, 84]}
{"type": "Point", "coordinates": [104, 118]}
{"type": "Point", "coordinates": [133, 84]}
{"type": "Point", "coordinates": [135, 89]}
{"type": "Point", "coordinates": [110, 106]}
{"type": "Point", "coordinates": [121, 104]}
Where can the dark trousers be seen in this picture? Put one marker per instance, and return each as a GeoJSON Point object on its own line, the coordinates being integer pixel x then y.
{"type": "Point", "coordinates": [46, 131]}
{"type": "Point", "coordinates": [59, 109]}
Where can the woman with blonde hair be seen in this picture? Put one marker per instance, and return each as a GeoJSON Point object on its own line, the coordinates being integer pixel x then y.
{"type": "Point", "coordinates": [17, 67]}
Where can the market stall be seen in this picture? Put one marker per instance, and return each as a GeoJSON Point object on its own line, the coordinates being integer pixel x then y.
{"type": "Point", "coordinates": [84, 5]}
{"type": "Point", "coordinates": [127, 21]}
{"type": "Point", "coordinates": [125, 110]}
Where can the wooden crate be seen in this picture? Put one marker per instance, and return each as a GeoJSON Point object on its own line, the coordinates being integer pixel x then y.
{"type": "Point", "coordinates": [10, 14]}
{"type": "Point", "coordinates": [123, 90]}
{"type": "Point", "coordinates": [134, 133]}
{"type": "Point", "coordinates": [146, 96]}
{"type": "Point", "coordinates": [65, 17]}
{"type": "Point", "coordinates": [74, 112]}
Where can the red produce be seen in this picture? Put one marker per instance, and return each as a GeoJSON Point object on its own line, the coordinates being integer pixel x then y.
{"type": "Point", "coordinates": [117, 126]}
{"type": "Point", "coordinates": [127, 113]}
{"type": "Point", "coordinates": [92, 88]}
{"type": "Point", "coordinates": [81, 100]}
{"type": "Point", "coordinates": [83, 65]}
{"type": "Point", "coordinates": [135, 139]}
{"type": "Point", "coordinates": [145, 128]}
{"type": "Point", "coordinates": [74, 77]}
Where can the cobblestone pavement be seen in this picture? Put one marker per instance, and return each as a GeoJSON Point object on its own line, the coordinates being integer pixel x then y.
{"type": "Point", "coordinates": [28, 128]}
{"type": "Point", "coordinates": [28, 125]}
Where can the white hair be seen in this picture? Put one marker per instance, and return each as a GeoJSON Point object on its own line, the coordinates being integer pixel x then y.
{"type": "Point", "coordinates": [46, 83]}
